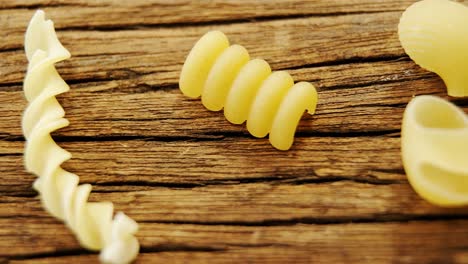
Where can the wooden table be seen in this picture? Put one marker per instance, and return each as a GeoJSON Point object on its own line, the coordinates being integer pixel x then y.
{"type": "Point", "coordinates": [204, 190]}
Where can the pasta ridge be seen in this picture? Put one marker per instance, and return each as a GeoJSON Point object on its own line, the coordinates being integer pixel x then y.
{"type": "Point", "coordinates": [60, 194]}
{"type": "Point", "coordinates": [225, 77]}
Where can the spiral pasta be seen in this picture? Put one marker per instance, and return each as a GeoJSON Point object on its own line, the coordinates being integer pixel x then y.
{"type": "Point", "coordinates": [60, 193]}
{"type": "Point", "coordinates": [247, 89]}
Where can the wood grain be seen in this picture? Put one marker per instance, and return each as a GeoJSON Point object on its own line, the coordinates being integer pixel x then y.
{"type": "Point", "coordinates": [115, 15]}
{"type": "Point", "coordinates": [257, 203]}
{"type": "Point", "coordinates": [283, 43]}
{"type": "Point", "coordinates": [412, 242]}
{"type": "Point", "coordinates": [362, 107]}
{"type": "Point", "coordinates": [202, 189]}
{"type": "Point", "coordinates": [205, 161]}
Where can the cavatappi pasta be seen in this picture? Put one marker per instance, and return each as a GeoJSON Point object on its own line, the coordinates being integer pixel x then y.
{"type": "Point", "coordinates": [225, 77]}
{"type": "Point", "coordinates": [434, 144]}
{"type": "Point", "coordinates": [59, 191]}
{"type": "Point", "coordinates": [434, 33]}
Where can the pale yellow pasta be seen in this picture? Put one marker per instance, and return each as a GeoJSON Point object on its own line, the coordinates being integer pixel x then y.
{"type": "Point", "coordinates": [434, 33]}
{"type": "Point", "coordinates": [247, 89]}
{"type": "Point", "coordinates": [434, 144]}
{"type": "Point", "coordinates": [59, 191]}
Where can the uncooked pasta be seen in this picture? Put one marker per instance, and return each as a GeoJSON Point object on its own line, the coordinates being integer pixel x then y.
{"type": "Point", "coordinates": [225, 76]}
{"type": "Point", "coordinates": [434, 33]}
{"type": "Point", "coordinates": [91, 222]}
{"type": "Point", "coordinates": [434, 143]}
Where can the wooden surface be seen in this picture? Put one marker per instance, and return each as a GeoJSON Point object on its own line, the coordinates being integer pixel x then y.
{"type": "Point", "coordinates": [204, 190]}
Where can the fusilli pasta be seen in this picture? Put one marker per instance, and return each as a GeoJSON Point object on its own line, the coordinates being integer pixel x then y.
{"type": "Point", "coordinates": [247, 89]}
{"type": "Point", "coordinates": [60, 193]}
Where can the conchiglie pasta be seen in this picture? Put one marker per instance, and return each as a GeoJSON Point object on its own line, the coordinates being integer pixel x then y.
{"type": "Point", "coordinates": [434, 33]}
{"type": "Point", "coordinates": [226, 77]}
{"type": "Point", "coordinates": [59, 191]}
{"type": "Point", "coordinates": [434, 144]}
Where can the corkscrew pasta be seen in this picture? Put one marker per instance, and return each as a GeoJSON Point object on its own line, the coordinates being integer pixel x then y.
{"type": "Point", "coordinates": [434, 33]}
{"type": "Point", "coordinates": [248, 90]}
{"type": "Point", "coordinates": [434, 143]}
{"type": "Point", "coordinates": [60, 193]}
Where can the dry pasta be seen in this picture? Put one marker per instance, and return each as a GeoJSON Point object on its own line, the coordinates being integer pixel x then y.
{"type": "Point", "coordinates": [247, 89]}
{"type": "Point", "coordinates": [434, 143]}
{"type": "Point", "coordinates": [434, 33]}
{"type": "Point", "coordinates": [60, 193]}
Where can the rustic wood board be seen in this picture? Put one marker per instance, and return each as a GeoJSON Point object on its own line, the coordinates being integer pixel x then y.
{"type": "Point", "coordinates": [202, 189]}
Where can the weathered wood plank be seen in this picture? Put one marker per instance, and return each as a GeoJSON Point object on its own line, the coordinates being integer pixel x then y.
{"type": "Point", "coordinates": [125, 117]}
{"type": "Point", "coordinates": [255, 203]}
{"type": "Point", "coordinates": [167, 113]}
{"type": "Point", "coordinates": [121, 14]}
{"type": "Point", "coordinates": [412, 242]}
{"type": "Point", "coordinates": [283, 43]}
{"type": "Point", "coordinates": [262, 255]}
{"type": "Point", "coordinates": [202, 162]}
{"type": "Point", "coordinates": [159, 11]}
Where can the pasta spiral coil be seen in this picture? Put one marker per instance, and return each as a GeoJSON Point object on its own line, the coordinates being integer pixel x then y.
{"type": "Point", "coordinates": [224, 76]}
{"type": "Point", "coordinates": [59, 191]}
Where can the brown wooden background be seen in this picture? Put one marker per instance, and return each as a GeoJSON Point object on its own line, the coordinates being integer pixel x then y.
{"type": "Point", "coordinates": [204, 190]}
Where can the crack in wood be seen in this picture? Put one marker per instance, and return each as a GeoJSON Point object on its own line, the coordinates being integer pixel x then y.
{"type": "Point", "coordinates": [47, 5]}
{"type": "Point", "coordinates": [374, 83]}
{"type": "Point", "coordinates": [342, 220]}
{"type": "Point", "coordinates": [12, 49]}
{"type": "Point", "coordinates": [11, 154]}
{"type": "Point", "coordinates": [217, 22]}
{"type": "Point", "coordinates": [300, 180]}
{"type": "Point", "coordinates": [172, 247]}
{"type": "Point", "coordinates": [332, 179]}
{"type": "Point", "coordinates": [352, 60]}
{"type": "Point", "coordinates": [56, 253]}
{"type": "Point", "coordinates": [213, 136]}
{"type": "Point", "coordinates": [249, 180]}
{"type": "Point", "coordinates": [159, 248]}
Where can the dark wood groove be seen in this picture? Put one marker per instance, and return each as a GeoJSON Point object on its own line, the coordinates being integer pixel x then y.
{"type": "Point", "coordinates": [249, 20]}
{"type": "Point", "coordinates": [384, 218]}
{"type": "Point", "coordinates": [214, 136]}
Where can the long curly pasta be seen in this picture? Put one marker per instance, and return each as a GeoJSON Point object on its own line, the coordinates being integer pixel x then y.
{"type": "Point", "coordinates": [60, 193]}
{"type": "Point", "coordinates": [247, 89]}
{"type": "Point", "coordinates": [434, 146]}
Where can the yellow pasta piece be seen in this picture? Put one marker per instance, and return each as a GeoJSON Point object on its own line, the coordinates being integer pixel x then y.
{"type": "Point", "coordinates": [434, 33]}
{"type": "Point", "coordinates": [247, 89]}
{"type": "Point", "coordinates": [60, 193]}
{"type": "Point", "coordinates": [434, 144]}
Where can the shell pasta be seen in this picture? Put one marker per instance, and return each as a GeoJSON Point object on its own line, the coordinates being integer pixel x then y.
{"type": "Point", "coordinates": [61, 196]}
{"type": "Point", "coordinates": [434, 147]}
{"type": "Point", "coordinates": [224, 76]}
{"type": "Point", "coordinates": [434, 33]}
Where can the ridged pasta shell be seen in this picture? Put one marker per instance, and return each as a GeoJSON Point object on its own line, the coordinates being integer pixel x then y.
{"type": "Point", "coordinates": [434, 33]}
